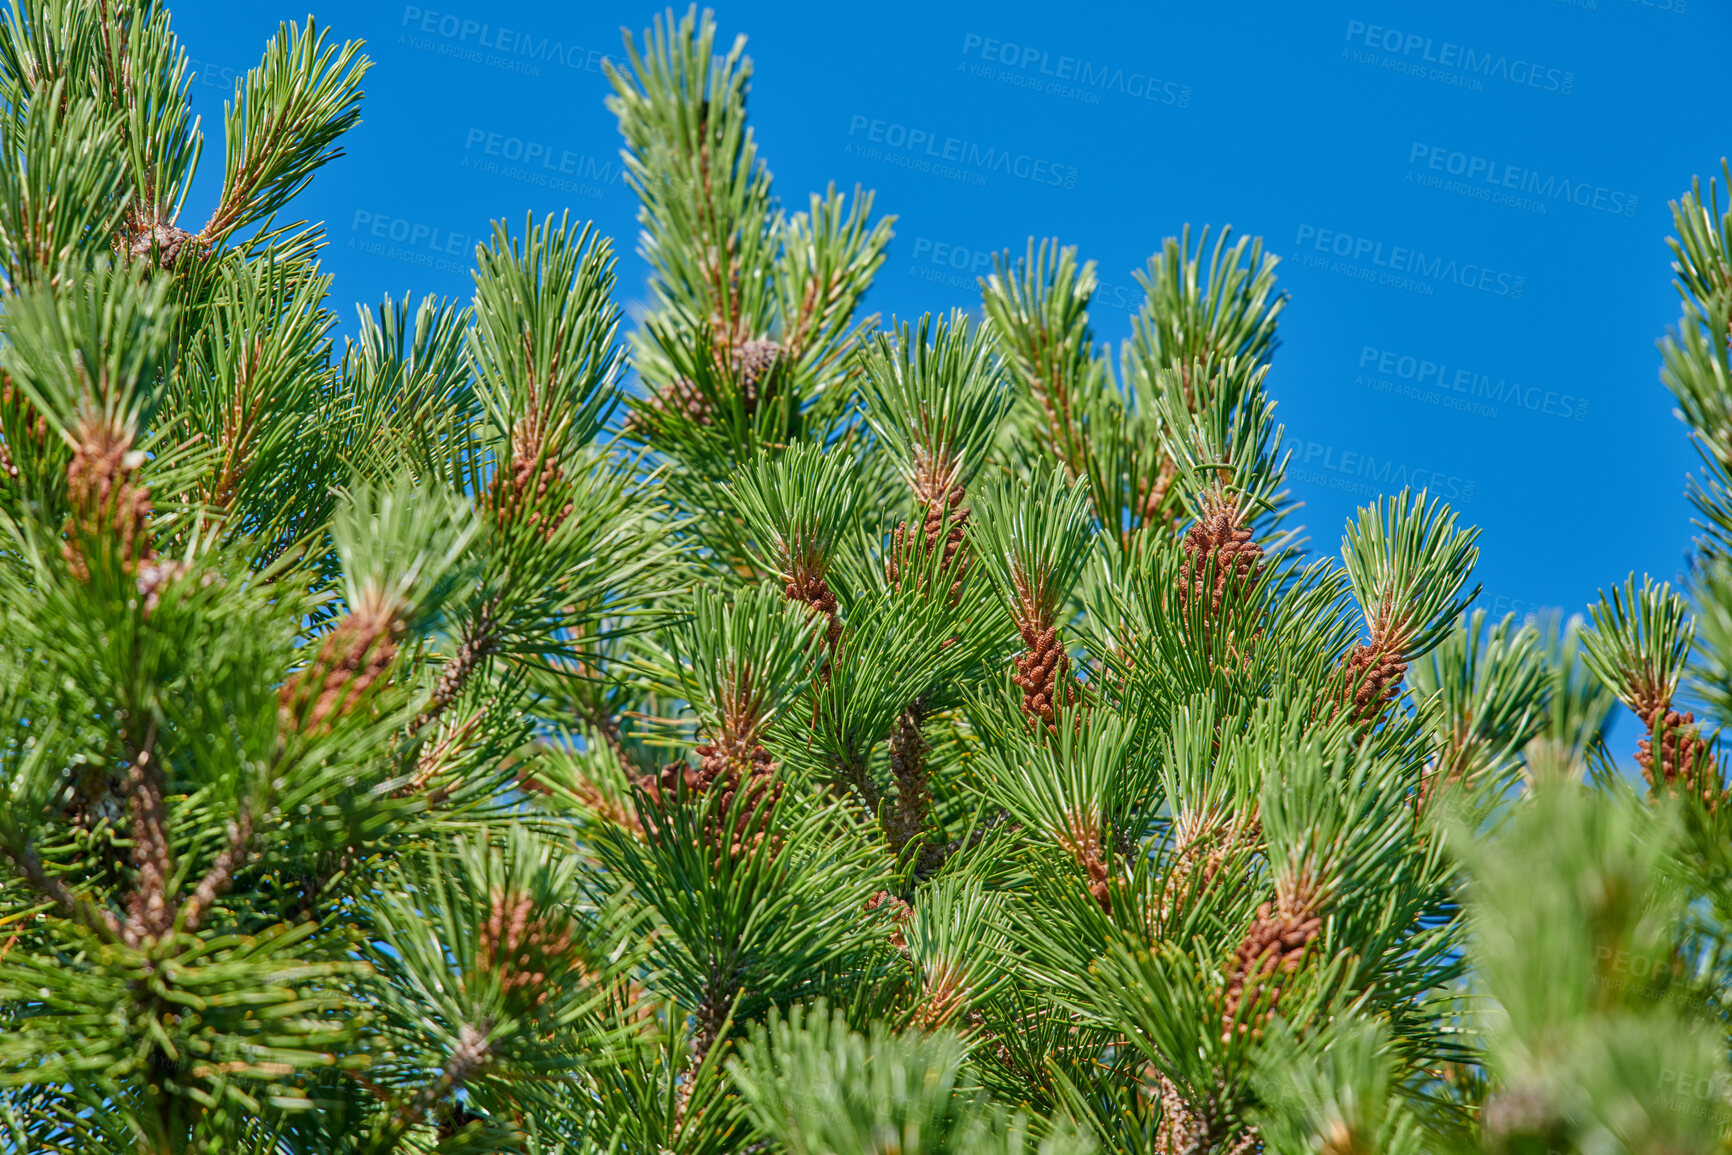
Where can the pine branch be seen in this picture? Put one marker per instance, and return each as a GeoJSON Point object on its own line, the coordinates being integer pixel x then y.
{"type": "Point", "coordinates": [935, 396]}
{"type": "Point", "coordinates": [1408, 565]}
{"type": "Point", "coordinates": [412, 395]}
{"type": "Point", "coordinates": [798, 507]}
{"type": "Point", "coordinates": [1038, 310]}
{"type": "Point", "coordinates": [1037, 541]}
{"type": "Point", "coordinates": [283, 124]}
{"type": "Point", "coordinates": [150, 907]}
{"type": "Point", "coordinates": [63, 188]}
{"type": "Point", "coordinates": [29, 865]}
{"type": "Point", "coordinates": [692, 161]}
{"type": "Point", "coordinates": [399, 751]}
{"type": "Point", "coordinates": [1639, 643]}
{"type": "Point", "coordinates": [1493, 695]}
{"type": "Point", "coordinates": [828, 257]}
{"type": "Point", "coordinates": [1190, 324]}
{"type": "Point", "coordinates": [479, 638]}
{"type": "Point", "coordinates": [221, 875]}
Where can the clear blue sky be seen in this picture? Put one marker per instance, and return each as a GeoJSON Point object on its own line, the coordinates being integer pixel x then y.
{"type": "Point", "coordinates": [1469, 200]}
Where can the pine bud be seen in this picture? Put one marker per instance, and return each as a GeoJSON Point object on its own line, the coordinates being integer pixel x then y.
{"type": "Point", "coordinates": [679, 396]}
{"type": "Point", "coordinates": [899, 911]}
{"type": "Point", "coordinates": [725, 770]}
{"type": "Point", "coordinates": [521, 491]}
{"type": "Point", "coordinates": [166, 240]}
{"type": "Point", "coordinates": [815, 592]}
{"type": "Point", "coordinates": [946, 524]}
{"type": "Point", "coordinates": [754, 364]}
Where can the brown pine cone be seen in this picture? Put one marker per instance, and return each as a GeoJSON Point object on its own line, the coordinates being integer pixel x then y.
{"type": "Point", "coordinates": [909, 547]}
{"type": "Point", "coordinates": [815, 592]}
{"type": "Point", "coordinates": [352, 657]}
{"type": "Point", "coordinates": [105, 497]}
{"type": "Point", "coordinates": [1043, 673]}
{"type": "Point", "coordinates": [167, 240]}
{"type": "Point", "coordinates": [1372, 681]}
{"type": "Point", "coordinates": [1685, 762]}
{"type": "Point", "coordinates": [754, 364]}
{"type": "Point", "coordinates": [938, 513]}
{"type": "Point", "coordinates": [1236, 558]}
{"type": "Point", "coordinates": [900, 912]}
{"type": "Point", "coordinates": [1274, 947]}
{"type": "Point", "coordinates": [524, 485]}
{"type": "Point", "coordinates": [724, 771]}
{"type": "Point", "coordinates": [664, 785]}
{"type": "Point", "coordinates": [678, 396]}
{"type": "Point", "coordinates": [522, 945]}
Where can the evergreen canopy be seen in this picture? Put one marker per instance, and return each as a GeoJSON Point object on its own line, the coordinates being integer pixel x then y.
{"type": "Point", "coordinates": [770, 729]}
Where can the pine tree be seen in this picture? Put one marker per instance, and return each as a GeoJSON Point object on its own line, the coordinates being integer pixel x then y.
{"type": "Point", "coordinates": [773, 729]}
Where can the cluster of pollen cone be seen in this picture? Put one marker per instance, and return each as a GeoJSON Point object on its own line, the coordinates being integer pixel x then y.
{"type": "Point", "coordinates": [725, 769]}
{"type": "Point", "coordinates": [906, 543]}
{"type": "Point", "coordinates": [521, 945]}
{"type": "Point", "coordinates": [1686, 763]}
{"type": "Point", "coordinates": [752, 363]}
{"type": "Point", "coordinates": [1218, 537]}
{"type": "Point", "coordinates": [521, 491]}
{"type": "Point", "coordinates": [1220, 555]}
{"type": "Point", "coordinates": [1272, 950]}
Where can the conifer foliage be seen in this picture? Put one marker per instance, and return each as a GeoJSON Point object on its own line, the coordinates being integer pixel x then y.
{"type": "Point", "coordinates": [773, 729]}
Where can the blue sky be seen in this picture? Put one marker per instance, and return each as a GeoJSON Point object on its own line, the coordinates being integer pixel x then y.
{"type": "Point", "coordinates": [1469, 200]}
